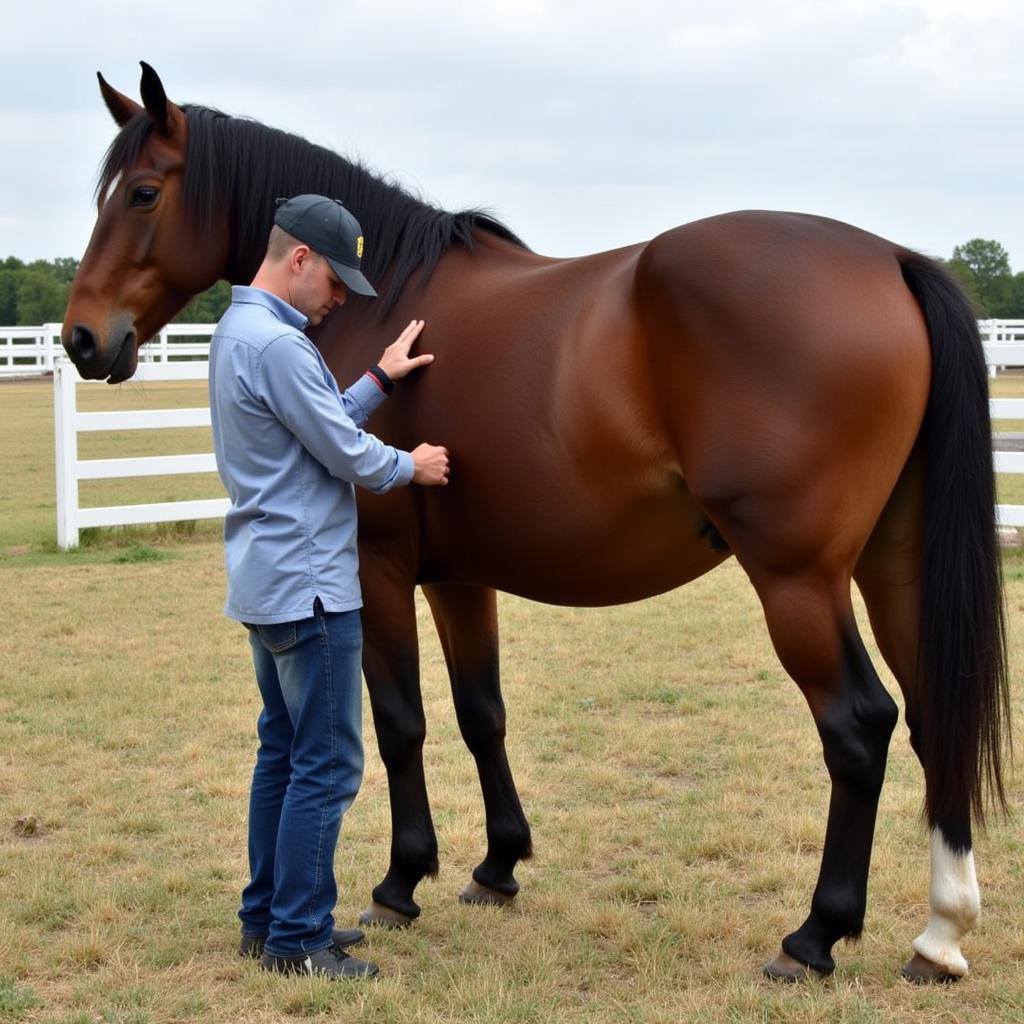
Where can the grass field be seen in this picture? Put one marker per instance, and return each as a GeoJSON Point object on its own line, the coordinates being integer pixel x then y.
{"type": "Point", "coordinates": [670, 771]}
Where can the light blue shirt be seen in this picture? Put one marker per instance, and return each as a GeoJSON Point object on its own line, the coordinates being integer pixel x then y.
{"type": "Point", "coordinates": [289, 447]}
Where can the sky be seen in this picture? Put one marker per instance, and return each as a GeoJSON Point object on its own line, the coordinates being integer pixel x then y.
{"type": "Point", "coordinates": [582, 125]}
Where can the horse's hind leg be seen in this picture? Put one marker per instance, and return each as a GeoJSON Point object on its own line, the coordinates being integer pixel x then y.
{"type": "Point", "coordinates": [888, 574]}
{"type": "Point", "coordinates": [467, 624]}
{"type": "Point", "coordinates": [811, 622]}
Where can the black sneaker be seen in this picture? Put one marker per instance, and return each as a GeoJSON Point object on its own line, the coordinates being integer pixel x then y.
{"type": "Point", "coordinates": [331, 962]}
{"type": "Point", "coordinates": [252, 946]}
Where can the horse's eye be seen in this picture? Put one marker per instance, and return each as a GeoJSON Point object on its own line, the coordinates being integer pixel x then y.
{"type": "Point", "coordinates": [144, 195]}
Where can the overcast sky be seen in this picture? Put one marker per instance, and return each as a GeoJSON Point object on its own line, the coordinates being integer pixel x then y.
{"type": "Point", "coordinates": [583, 125]}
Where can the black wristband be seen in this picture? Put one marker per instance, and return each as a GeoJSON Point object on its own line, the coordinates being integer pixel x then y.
{"type": "Point", "coordinates": [387, 385]}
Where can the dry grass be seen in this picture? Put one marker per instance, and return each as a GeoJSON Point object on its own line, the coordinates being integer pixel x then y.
{"type": "Point", "coordinates": [670, 772]}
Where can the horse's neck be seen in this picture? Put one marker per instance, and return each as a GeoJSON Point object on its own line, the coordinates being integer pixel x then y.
{"type": "Point", "coordinates": [358, 332]}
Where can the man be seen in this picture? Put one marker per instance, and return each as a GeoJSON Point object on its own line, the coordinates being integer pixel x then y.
{"type": "Point", "coordinates": [289, 449]}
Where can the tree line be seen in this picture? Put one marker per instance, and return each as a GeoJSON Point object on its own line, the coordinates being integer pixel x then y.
{"type": "Point", "coordinates": [37, 292]}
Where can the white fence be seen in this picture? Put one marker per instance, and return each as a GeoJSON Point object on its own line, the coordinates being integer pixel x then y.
{"type": "Point", "coordinates": [997, 333]}
{"type": "Point", "coordinates": [1011, 354]}
{"type": "Point", "coordinates": [1001, 332]}
{"type": "Point", "coordinates": [69, 422]}
{"type": "Point", "coordinates": [29, 350]}
{"type": "Point", "coordinates": [33, 351]}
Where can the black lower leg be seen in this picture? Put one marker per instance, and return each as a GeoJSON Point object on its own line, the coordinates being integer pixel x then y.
{"type": "Point", "coordinates": [391, 664]}
{"type": "Point", "coordinates": [466, 618]}
{"type": "Point", "coordinates": [840, 896]}
{"type": "Point", "coordinates": [508, 834]}
{"type": "Point", "coordinates": [413, 841]}
{"type": "Point", "coordinates": [855, 727]}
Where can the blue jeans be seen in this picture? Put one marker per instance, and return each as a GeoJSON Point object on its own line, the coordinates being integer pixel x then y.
{"type": "Point", "coordinates": [308, 769]}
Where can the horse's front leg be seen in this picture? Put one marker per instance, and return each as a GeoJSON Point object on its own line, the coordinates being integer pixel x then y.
{"type": "Point", "coordinates": [467, 624]}
{"type": "Point", "coordinates": [391, 665]}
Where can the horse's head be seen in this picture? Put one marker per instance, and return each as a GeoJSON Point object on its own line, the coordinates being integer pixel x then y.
{"type": "Point", "coordinates": [149, 254]}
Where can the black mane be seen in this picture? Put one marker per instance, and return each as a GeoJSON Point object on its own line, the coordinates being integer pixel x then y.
{"type": "Point", "coordinates": [241, 166]}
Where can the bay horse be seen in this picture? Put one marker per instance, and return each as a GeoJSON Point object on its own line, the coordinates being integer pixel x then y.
{"type": "Point", "coordinates": [780, 388]}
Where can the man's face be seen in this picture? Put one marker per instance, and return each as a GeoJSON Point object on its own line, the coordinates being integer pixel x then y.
{"type": "Point", "coordinates": [315, 289]}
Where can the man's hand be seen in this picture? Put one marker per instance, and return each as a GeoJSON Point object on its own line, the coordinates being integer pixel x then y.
{"type": "Point", "coordinates": [430, 464]}
{"type": "Point", "coordinates": [396, 362]}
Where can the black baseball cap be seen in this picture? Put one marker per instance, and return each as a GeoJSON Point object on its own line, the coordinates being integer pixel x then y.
{"type": "Point", "coordinates": [329, 229]}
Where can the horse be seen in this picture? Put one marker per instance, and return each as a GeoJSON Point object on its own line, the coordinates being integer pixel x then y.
{"type": "Point", "coordinates": [780, 388]}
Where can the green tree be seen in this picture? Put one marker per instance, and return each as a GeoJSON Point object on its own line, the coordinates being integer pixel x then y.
{"type": "Point", "coordinates": [40, 297]}
{"type": "Point", "coordinates": [8, 296]}
{"type": "Point", "coordinates": [983, 265]}
{"type": "Point", "coordinates": [64, 269]}
{"type": "Point", "coordinates": [207, 307]}
{"type": "Point", "coordinates": [1015, 298]}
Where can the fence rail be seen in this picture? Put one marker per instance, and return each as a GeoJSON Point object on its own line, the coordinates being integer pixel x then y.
{"type": "Point", "coordinates": [997, 332]}
{"type": "Point", "coordinates": [69, 423]}
{"type": "Point", "coordinates": [29, 350]}
{"type": "Point", "coordinates": [34, 351]}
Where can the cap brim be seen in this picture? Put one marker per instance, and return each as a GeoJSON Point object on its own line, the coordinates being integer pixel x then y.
{"type": "Point", "coordinates": [352, 278]}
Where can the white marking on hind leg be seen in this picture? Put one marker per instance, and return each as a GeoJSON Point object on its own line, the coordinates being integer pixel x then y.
{"type": "Point", "coordinates": [955, 905]}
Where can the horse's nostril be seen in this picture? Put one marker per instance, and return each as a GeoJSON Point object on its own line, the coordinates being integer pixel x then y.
{"type": "Point", "coordinates": [83, 343]}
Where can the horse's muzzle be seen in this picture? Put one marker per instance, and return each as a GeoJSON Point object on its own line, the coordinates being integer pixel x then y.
{"type": "Point", "coordinates": [94, 361]}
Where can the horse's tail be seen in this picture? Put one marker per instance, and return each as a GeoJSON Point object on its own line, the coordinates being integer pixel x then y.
{"type": "Point", "coordinates": [965, 719]}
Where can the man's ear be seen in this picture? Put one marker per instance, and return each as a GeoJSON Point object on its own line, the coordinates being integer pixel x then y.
{"type": "Point", "coordinates": [301, 255]}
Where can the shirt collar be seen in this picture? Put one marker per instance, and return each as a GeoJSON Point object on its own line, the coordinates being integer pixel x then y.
{"type": "Point", "coordinates": [268, 300]}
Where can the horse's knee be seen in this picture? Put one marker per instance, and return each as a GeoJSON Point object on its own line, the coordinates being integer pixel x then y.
{"type": "Point", "coordinates": [401, 733]}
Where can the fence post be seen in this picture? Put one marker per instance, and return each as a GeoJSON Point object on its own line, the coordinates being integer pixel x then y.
{"type": "Point", "coordinates": [50, 331]}
{"type": "Point", "coordinates": [987, 330]}
{"type": "Point", "coordinates": [65, 376]}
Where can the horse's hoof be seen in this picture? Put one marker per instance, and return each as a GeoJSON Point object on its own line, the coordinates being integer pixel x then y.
{"type": "Point", "coordinates": [922, 971]}
{"type": "Point", "coordinates": [787, 968]}
{"type": "Point", "coordinates": [482, 895]}
{"type": "Point", "coordinates": [384, 917]}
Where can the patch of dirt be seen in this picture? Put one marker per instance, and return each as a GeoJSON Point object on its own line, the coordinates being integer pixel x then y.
{"type": "Point", "coordinates": [28, 827]}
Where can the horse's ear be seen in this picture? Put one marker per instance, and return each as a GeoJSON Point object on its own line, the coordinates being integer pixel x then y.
{"type": "Point", "coordinates": [122, 109]}
{"type": "Point", "coordinates": [167, 116]}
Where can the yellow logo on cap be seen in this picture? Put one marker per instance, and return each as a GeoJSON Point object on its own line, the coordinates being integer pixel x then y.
{"type": "Point", "coordinates": [359, 247]}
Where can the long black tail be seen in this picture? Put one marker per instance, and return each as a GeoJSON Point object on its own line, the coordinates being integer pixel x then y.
{"type": "Point", "coordinates": [965, 703]}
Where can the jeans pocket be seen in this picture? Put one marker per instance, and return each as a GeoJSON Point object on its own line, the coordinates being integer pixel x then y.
{"type": "Point", "coordinates": [277, 636]}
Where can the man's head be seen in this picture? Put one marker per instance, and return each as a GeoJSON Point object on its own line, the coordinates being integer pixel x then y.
{"type": "Point", "coordinates": [313, 256]}
{"type": "Point", "coordinates": [329, 229]}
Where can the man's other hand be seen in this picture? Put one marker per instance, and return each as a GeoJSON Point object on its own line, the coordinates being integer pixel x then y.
{"type": "Point", "coordinates": [430, 463]}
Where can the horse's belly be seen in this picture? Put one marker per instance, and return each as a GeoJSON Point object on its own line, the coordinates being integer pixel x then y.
{"type": "Point", "coordinates": [578, 552]}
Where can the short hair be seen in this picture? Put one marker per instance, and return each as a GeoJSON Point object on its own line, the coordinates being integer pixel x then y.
{"type": "Point", "coordinates": [280, 244]}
